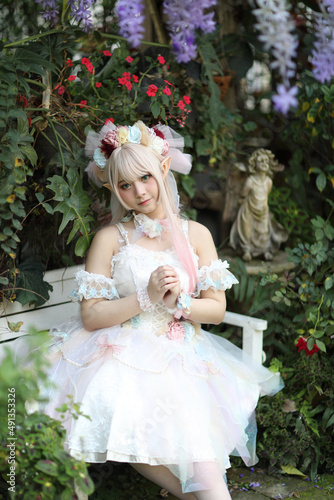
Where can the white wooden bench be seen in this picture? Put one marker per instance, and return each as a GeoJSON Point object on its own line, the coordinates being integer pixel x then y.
{"type": "Point", "coordinates": [60, 308]}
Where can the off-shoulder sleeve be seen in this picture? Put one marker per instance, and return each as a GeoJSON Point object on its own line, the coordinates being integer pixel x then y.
{"type": "Point", "coordinates": [93, 286]}
{"type": "Point", "coordinates": [215, 276]}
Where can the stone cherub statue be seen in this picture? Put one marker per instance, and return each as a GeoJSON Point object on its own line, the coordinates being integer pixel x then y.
{"type": "Point", "coordinates": [254, 232]}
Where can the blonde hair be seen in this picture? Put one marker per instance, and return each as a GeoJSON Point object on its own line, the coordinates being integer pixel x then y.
{"type": "Point", "coordinates": [131, 161]}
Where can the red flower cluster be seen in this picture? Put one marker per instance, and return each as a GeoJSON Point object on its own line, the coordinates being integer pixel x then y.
{"type": "Point", "coordinates": [71, 78]}
{"type": "Point", "coordinates": [107, 53]}
{"type": "Point", "coordinates": [126, 80]}
{"type": "Point", "coordinates": [129, 59]}
{"type": "Point", "coordinates": [167, 90]}
{"type": "Point", "coordinates": [86, 62]}
{"type": "Point", "coordinates": [83, 103]}
{"type": "Point", "coordinates": [302, 346]}
{"type": "Point", "coordinates": [69, 63]}
{"type": "Point", "coordinates": [98, 85]}
{"type": "Point", "coordinates": [161, 59]}
{"type": "Point", "coordinates": [61, 90]}
{"type": "Point", "coordinates": [152, 90]}
{"type": "Point", "coordinates": [109, 120]}
{"type": "Point", "coordinates": [135, 78]}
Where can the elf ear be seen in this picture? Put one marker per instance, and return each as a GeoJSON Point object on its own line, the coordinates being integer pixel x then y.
{"type": "Point", "coordinates": [108, 186]}
{"type": "Point", "coordinates": [165, 166]}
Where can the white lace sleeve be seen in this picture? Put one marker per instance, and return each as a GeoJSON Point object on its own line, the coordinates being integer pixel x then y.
{"type": "Point", "coordinates": [215, 276]}
{"type": "Point", "coordinates": [93, 286]}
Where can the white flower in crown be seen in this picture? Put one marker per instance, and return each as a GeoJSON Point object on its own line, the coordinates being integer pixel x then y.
{"type": "Point", "coordinates": [156, 143]}
{"type": "Point", "coordinates": [122, 134]}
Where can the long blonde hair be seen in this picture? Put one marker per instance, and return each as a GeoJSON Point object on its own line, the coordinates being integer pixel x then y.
{"type": "Point", "coordinates": [131, 161]}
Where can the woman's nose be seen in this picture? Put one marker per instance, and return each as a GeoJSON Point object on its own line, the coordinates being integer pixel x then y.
{"type": "Point", "coordinates": [139, 189]}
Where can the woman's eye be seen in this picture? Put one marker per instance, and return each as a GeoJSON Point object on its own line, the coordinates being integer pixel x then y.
{"type": "Point", "coordinates": [125, 186]}
{"type": "Point", "coordinates": [146, 177]}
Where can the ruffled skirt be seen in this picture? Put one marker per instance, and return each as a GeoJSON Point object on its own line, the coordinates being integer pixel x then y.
{"type": "Point", "coordinates": [156, 398]}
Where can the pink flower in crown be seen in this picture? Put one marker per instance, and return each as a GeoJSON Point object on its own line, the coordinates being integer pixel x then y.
{"type": "Point", "coordinates": [111, 138]}
{"type": "Point", "coordinates": [109, 143]}
{"type": "Point", "coordinates": [176, 331]}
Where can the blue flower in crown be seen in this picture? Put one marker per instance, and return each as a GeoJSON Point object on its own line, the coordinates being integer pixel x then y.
{"type": "Point", "coordinates": [134, 134]}
{"type": "Point", "coordinates": [99, 158]}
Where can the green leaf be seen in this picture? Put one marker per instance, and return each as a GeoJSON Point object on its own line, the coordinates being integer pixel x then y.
{"type": "Point", "coordinates": [318, 222]}
{"type": "Point", "coordinates": [329, 281]}
{"type": "Point", "coordinates": [30, 283]}
{"type": "Point", "coordinates": [48, 208]}
{"type": "Point", "coordinates": [310, 344]}
{"type": "Point", "coordinates": [321, 181]}
{"type": "Point", "coordinates": [17, 113]}
{"type": "Point", "coordinates": [155, 108]}
{"type": "Point", "coordinates": [48, 467]}
{"type": "Point", "coordinates": [321, 345]}
{"type": "Point", "coordinates": [250, 126]}
{"type": "Point", "coordinates": [30, 153]}
{"type": "Point", "coordinates": [318, 334]}
{"type": "Point", "coordinates": [39, 196]}
{"type": "Point", "coordinates": [189, 185]}
{"type": "Point", "coordinates": [289, 469]}
{"type": "Point", "coordinates": [203, 147]}
{"type": "Point", "coordinates": [59, 186]}
{"type": "Point", "coordinates": [81, 246]}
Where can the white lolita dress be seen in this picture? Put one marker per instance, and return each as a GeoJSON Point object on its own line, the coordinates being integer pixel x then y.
{"type": "Point", "coordinates": [157, 390]}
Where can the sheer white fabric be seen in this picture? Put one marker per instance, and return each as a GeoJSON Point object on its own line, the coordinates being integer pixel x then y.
{"type": "Point", "coordinates": [93, 286]}
{"type": "Point", "coordinates": [215, 276]}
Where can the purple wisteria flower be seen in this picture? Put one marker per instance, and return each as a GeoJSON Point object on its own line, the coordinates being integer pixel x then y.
{"type": "Point", "coordinates": [51, 12]}
{"type": "Point", "coordinates": [130, 19]}
{"type": "Point", "coordinates": [184, 17]}
{"type": "Point", "coordinates": [285, 98]}
{"type": "Point", "coordinates": [81, 12]}
{"type": "Point", "coordinates": [276, 27]}
{"type": "Point", "coordinates": [254, 484]}
{"type": "Point", "coordinates": [323, 52]}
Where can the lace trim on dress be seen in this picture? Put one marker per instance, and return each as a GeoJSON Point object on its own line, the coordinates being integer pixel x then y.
{"type": "Point", "coordinates": [215, 276]}
{"type": "Point", "coordinates": [93, 286]}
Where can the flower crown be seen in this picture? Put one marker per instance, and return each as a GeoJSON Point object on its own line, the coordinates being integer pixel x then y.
{"type": "Point", "coordinates": [133, 134]}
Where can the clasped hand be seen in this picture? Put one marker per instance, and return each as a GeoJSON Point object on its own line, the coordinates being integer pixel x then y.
{"type": "Point", "coordinates": [164, 284]}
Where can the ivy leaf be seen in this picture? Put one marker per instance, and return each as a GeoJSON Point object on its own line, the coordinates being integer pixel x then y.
{"type": "Point", "coordinates": [31, 286]}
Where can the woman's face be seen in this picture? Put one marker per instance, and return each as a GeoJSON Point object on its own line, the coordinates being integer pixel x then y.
{"type": "Point", "coordinates": [141, 195]}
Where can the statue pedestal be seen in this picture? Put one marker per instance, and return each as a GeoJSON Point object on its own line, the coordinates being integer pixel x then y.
{"type": "Point", "coordinates": [278, 265]}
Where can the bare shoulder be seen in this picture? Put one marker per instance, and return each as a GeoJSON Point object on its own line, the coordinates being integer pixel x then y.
{"type": "Point", "coordinates": [103, 247]}
{"type": "Point", "coordinates": [197, 230]}
{"type": "Point", "coordinates": [199, 236]}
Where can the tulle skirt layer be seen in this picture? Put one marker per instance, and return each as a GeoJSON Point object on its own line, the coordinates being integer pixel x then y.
{"type": "Point", "coordinates": [174, 401]}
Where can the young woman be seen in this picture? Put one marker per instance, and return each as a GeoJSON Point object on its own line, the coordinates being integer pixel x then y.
{"type": "Point", "coordinates": [162, 394]}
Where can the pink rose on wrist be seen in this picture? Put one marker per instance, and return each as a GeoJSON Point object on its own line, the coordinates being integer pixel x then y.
{"type": "Point", "coordinates": [176, 331]}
